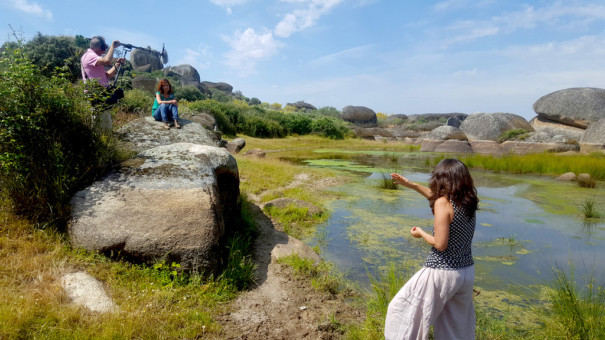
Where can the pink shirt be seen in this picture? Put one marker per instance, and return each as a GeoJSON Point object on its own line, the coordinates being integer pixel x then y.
{"type": "Point", "coordinates": [89, 64]}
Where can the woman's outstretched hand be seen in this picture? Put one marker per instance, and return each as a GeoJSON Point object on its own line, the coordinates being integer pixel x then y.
{"type": "Point", "coordinates": [416, 232]}
{"type": "Point", "coordinates": [398, 179]}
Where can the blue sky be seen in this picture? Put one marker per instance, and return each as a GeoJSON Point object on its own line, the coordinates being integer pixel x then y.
{"type": "Point", "coordinates": [391, 56]}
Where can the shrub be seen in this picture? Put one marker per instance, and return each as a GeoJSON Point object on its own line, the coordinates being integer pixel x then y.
{"type": "Point", "coordinates": [57, 52]}
{"type": "Point", "coordinates": [189, 93]}
{"type": "Point", "coordinates": [330, 127]}
{"type": "Point", "coordinates": [257, 126]}
{"type": "Point", "coordinates": [327, 111]}
{"type": "Point", "coordinates": [136, 101]}
{"type": "Point", "coordinates": [227, 115]}
{"type": "Point", "coordinates": [512, 134]}
{"type": "Point", "coordinates": [49, 147]}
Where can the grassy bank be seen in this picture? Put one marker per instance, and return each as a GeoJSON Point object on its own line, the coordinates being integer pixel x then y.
{"type": "Point", "coordinates": [155, 301]}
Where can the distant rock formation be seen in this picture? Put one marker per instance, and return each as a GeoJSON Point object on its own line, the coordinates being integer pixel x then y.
{"type": "Point", "coordinates": [490, 126]}
{"type": "Point", "coordinates": [577, 107]}
{"type": "Point", "coordinates": [553, 128]}
{"type": "Point", "coordinates": [185, 73]}
{"type": "Point", "coordinates": [219, 86]}
{"type": "Point", "coordinates": [444, 133]}
{"type": "Point", "coordinates": [145, 61]}
{"type": "Point", "coordinates": [359, 115]}
{"type": "Point", "coordinates": [301, 105]}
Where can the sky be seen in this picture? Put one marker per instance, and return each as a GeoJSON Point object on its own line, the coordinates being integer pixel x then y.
{"type": "Point", "coordinates": [394, 57]}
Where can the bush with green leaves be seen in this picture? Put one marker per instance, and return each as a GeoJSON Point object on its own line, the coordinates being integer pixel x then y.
{"type": "Point", "coordinates": [136, 101]}
{"type": "Point", "coordinates": [49, 147]}
{"type": "Point", "coordinates": [328, 111]}
{"type": "Point", "coordinates": [189, 93]}
{"type": "Point", "coordinates": [330, 127]}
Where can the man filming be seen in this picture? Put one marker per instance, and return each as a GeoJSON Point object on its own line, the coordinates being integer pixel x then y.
{"type": "Point", "coordinates": [93, 66]}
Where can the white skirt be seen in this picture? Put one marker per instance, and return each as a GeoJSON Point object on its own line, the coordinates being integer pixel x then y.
{"type": "Point", "coordinates": [443, 298]}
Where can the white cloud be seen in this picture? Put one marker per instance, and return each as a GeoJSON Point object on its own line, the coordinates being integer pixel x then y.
{"type": "Point", "coordinates": [228, 4]}
{"type": "Point", "coordinates": [195, 58]}
{"type": "Point", "coordinates": [301, 19]}
{"type": "Point", "coordinates": [32, 8]}
{"type": "Point", "coordinates": [247, 48]}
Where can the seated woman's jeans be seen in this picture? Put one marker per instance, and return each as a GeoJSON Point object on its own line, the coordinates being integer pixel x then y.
{"type": "Point", "coordinates": [166, 113]}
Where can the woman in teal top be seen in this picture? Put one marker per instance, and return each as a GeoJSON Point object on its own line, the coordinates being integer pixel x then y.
{"type": "Point", "coordinates": [165, 107]}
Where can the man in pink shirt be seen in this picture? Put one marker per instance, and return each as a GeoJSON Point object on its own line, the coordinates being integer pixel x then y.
{"type": "Point", "coordinates": [94, 61]}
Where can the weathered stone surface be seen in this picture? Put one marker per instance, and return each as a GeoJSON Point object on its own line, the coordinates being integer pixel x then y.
{"type": "Point", "coordinates": [284, 202]}
{"type": "Point", "coordinates": [302, 105]}
{"type": "Point", "coordinates": [219, 86]}
{"type": "Point", "coordinates": [529, 147]}
{"type": "Point", "coordinates": [453, 121]}
{"type": "Point", "coordinates": [543, 137]}
{"type": "Point", "coordinates": [554, 128]}
{"type": "Point", "coordinates": [256, 152]}
{"type": "Point", "coordinates": [488, 147]}
{"type": "Point", "coordinates": [169, 203]}
{"type": "Point", "coordinates": [568, 176]}
{"type": "Point", "coordinates": [578, 106]}
{"type": "Point", "coordinates": [173, 201]}
{"type": "Point", "coordinates": [206, 120]}
{"type": "Point", "coordinates": [444, 133]}
{"type": "Point", "coordinates": [146, 84]}
{"type": "Point", "coordinates": [583, 177]}
{"type": "Point", "coordinates": [593, 138]}
{"type": "Point", "coordinates": [429, 117]}
{"type": "Point", "coordinates": [454, 146]}
{"type": "Point", "coordinates": [145, 133]}
{"type": "Point", "coordinates": [400, 133]}
{"type": "Point", "coordinates": [186, 74]}
{"type": "Point", "coordinates": [86, 291]}
{"type": "Point", "coordinates": [428, 145]}
{"type": "Point", "coordinates": [359, 115]}
{"type": "Point", "coordinates": [371, 133]}
{"type": "Point", "coordinates": [236, 145]}
{"type": "Point", "coordinates": [141, 58]}
{"type": "Point", "coordinates": [489, 126]}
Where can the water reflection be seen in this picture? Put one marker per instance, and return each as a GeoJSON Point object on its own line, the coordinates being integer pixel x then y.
{"type": "Point", "coordinates": [525, 225]}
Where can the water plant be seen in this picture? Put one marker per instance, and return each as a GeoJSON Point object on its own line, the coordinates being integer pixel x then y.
{"type": "Point", "coordinates": [385, 182]}
{"type": "Point", "coordinates": [589, 209]}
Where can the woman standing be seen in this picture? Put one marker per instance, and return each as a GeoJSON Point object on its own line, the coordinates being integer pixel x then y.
{"type": "Point", "coordinates": [441, 293]}
{"type": "Point", "coordinates": [165, 107]}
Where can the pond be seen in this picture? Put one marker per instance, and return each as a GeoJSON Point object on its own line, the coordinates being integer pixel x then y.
{"type": "Point", "coordinates": [526, 225]}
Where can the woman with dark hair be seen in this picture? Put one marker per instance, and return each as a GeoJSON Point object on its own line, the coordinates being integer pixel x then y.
{"type": "Point", "coordinates": [165, 106]}
{"type": "Point", "coordinates": [441, 293]}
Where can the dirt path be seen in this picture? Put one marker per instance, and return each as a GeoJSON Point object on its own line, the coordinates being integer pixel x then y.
{"type": "Point", "coordinates": [281, 305]}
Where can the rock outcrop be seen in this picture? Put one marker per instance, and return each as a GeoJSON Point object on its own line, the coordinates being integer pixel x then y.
{"type": "Point", "coordinates": [372, 133]}
{"type": "Point", "coordinates": [146, 84]}
{"type": "Point", "coordinates": [444, 133]}
{"type": "Point", "coordinates": [145, 61]}
{"type": "Point", "coordinates": [174, 201]}
{"type": "Point", "coordinates": [593, 138]}
{"type": "Point", "coordinates": [359, 115]}
{"type": "Point", "coordinates": [219, 86]}
{"type": "Point", "coordinates": [301, 105]}
{"type": "Point", "coordinates": [185, 73]}
{"type": "Point", "coordinates": [490, 126]}
{"type": "Point", "coordinates": [86, 291]}
{"type": "Point", "coordinates": [553, 128]}
{"type": "Point", "coordinates": [577, 107]}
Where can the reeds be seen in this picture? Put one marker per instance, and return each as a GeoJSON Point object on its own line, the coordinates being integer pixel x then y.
{"type": "Point", "coordinates": [589, 209]}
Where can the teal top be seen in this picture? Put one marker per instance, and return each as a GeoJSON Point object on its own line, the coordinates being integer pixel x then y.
{"type": "Point", "coordinates": [155, 101]}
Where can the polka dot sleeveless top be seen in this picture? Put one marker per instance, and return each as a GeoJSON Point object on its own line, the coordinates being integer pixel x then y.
{"type": "Point", "coordinates": [458, 252]}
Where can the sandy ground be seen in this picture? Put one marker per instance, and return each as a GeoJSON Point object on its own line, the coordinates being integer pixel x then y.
{"type": "Point", "coordinates": [282, 305]}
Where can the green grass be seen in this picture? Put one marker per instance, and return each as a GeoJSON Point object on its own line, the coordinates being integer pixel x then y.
{"type": "Point", "coordinates": [385, 182]}
{"type": "Point", "coordinates": [322, 275]}
{"type": "Point", "coordinates": [545, 163]}
{"type": "Point", "coordinates": [589, 209]}
{"type": "Point", "coordinates": [158, 301]}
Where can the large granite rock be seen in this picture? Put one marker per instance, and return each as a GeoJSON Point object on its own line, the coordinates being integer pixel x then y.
{"type": "Point", "coordinates": [146, 84]}
{"type": "Point", "coordinates": [219, 86]}
{"type": "Point", "coordinates": [145, 61]}
{"type": "Point", "coordinates": [578, 106]}
{"type": "Point", "coordinates": [359, 115]}
{"type": "Point", "coordinates": [448, 146]}
{"type": "Point", "coordinates": [488, 147]}
{"type": "Point", "coordinates": [489, 126]}
{"type": "Point", "coordinates": [185, 73]}
{"type": "Point", "coordinates": [554, 128]}
{"type": "Point", "coordinates": [594, 137]}
{"type": "Point", "coordinates": [524, 148]}
{"type": "Point", "coordinates": [371, 133]}
{"type": "Point", "coordinates": [301, 105]}
{"type": "Point", "coordinates": [444, 133]}
{"type": "Point", "coordinates": [176, 200]}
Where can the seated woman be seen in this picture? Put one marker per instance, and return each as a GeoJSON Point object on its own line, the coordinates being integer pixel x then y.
{"type": "Point", "coordinates": [164, 106]}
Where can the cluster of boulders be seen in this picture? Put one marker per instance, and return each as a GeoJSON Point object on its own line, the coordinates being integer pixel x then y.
{"type": "Point", "coordinates": [567, 120]}
{"type": "Point", "coordinates": [147, 61]}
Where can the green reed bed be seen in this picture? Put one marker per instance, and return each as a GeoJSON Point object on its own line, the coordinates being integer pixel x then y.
{"type": "Point", "coordinates": [545, 163]}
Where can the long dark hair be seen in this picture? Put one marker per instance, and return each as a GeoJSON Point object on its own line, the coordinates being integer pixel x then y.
{"type": "Point", "coordinates": [452, 179]}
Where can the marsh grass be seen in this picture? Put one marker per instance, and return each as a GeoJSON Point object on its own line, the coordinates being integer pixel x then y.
{"type": "Point", "coordinates": [589, 209]}
{"type": "Point", "coordinates": [157, 301]}
{"type": "Point", "coordinates": [385, 182]}
{"type": "Point", "coordinates": [544, 163]}
{"type": "Point", "coordinates": [576, 311]}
